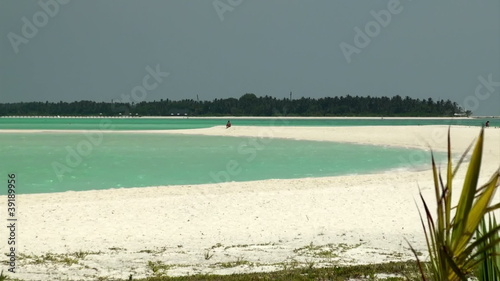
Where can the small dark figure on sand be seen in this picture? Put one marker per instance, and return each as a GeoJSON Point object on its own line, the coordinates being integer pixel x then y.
{"type": "Point", "coordinates": [228, 124]}
{"type": "Point", "coordinates": [487, 124]}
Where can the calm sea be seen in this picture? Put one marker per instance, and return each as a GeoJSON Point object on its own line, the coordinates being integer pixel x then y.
{"type": "Point", "coordinates": [56, 162]}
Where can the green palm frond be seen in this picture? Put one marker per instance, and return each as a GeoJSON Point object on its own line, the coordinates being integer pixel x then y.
{"type": "Point", "coordinates": [453, 252]}
{"type": "Point", "coordinates": [489, 260]}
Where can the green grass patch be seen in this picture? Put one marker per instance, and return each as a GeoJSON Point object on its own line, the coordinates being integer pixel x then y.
{"type": "Point", "coordinates": [325, 251]}
{"type": "Point", "coordinates": [158, 268]}
{"type": "Point", "coordinates": [337, 273]}
{"type": "Point", "coordinates": [238, 262]}
{"type": "Point", "coordinates": [65, 259]}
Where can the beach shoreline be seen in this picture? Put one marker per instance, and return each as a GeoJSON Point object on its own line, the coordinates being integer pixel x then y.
{"type": "Point", "coordinates": [353, 219]}
{"type": "Point", "coordinates": [258, 117]}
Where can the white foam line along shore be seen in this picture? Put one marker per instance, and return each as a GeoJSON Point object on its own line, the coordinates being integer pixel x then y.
{"type": "Point", "coordinates": [249, 226]}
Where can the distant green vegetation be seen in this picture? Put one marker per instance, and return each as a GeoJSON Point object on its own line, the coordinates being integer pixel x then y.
{"type": "Point", "coordinates": [246, 105]}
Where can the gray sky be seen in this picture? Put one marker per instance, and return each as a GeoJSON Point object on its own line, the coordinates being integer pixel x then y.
{"type": "Point", "coordinates": [99, 50]}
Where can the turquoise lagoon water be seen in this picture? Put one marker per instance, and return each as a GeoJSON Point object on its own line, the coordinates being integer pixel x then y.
{"type": "Point", "coordinates": [55, 162]}
{"type": "Point", "coordinates": [144, 123]}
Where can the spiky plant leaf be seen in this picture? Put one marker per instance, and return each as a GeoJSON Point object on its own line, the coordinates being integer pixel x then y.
{"type": "Point", "coordinates": [452, 251]}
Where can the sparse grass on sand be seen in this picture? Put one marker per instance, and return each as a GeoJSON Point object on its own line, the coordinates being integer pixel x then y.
{"type": "Point", "coordinates": [393, 271]}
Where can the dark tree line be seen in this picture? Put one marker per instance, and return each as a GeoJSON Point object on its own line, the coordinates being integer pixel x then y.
{"type": "Point", "coordinates": [246, 105]}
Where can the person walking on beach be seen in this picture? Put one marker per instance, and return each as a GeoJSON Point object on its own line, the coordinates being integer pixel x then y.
{"type": "Point", "coordinates": [487, 124]}
{"type": "Point", "coordinates": [228, 124]}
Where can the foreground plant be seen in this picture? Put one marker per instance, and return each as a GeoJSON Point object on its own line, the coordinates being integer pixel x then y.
{"type": "Point", "coordinates": [489, 266]}
{"type": "Point", "coordinates": [453, 252]}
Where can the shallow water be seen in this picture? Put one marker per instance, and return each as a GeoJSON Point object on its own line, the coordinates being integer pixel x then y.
{"type": "Point", "coordinates": [55, 162]}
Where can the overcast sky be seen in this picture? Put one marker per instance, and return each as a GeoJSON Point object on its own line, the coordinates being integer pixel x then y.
{"type": "Point", "coordinates": [51, 50]}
